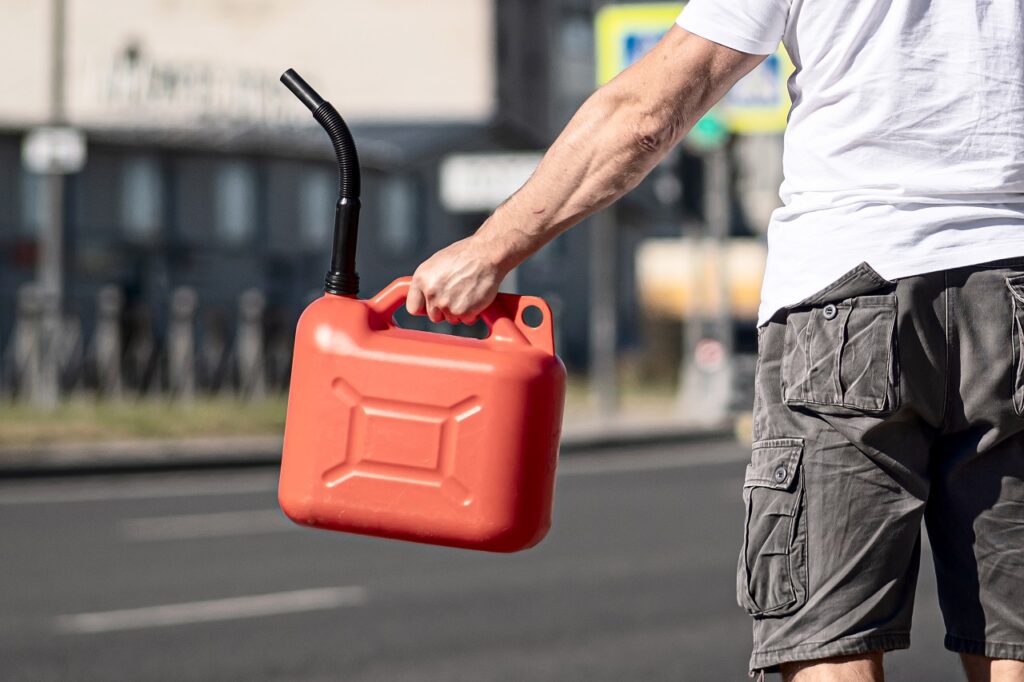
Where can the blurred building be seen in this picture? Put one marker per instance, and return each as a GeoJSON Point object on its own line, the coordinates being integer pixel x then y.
{"type": "Point", "coordinates": [203, 171]}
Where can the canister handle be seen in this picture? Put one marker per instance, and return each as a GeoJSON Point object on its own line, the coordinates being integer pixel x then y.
{"type": "Point", "coordinates": [504, 316]}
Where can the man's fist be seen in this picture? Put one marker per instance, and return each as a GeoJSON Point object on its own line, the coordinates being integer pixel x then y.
{"type": "Point", "coordinates": [456, 283]}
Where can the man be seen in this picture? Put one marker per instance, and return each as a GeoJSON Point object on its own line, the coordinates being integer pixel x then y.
{"type": "Point", "coordinates": [890, 380]}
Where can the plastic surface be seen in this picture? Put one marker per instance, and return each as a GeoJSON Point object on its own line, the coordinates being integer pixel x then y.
{"type": "Point", "coordinates": [421, 436]}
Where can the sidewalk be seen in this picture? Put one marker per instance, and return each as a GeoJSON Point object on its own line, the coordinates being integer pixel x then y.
{"type": "Point", "coordinates": [155, 454]}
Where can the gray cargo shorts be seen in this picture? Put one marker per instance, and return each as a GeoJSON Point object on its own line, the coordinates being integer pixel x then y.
{"type": "Point", "coordinates": [878, 404]}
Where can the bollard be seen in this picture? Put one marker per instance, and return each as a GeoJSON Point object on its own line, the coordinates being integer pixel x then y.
{"type": "Point", "coordinates": [141, 367]}
{"type": "Point", "coordinates": [107, 342]}
{"type": "Point", "coordinates": [46, 384]}
{"type": "Point", "coordinates": [215, 364]}
{"type": "Point", "coordinates": [252, 377]}
{"type": "Point", "coordinates": [181, 365]}
{"type": "Point", "coordinates": [70, 355]}
{"type": "Point", "coordinates": [27, 344]}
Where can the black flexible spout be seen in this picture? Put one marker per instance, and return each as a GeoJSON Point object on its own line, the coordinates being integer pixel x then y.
{"type": "Point", "coordinates": [342, 278]}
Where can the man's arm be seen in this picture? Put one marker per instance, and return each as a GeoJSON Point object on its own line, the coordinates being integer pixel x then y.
{"type": "Point", "coordinates": [619, 134]}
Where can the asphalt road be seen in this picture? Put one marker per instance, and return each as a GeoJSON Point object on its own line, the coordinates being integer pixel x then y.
{"type": "Point", "coordinates": [197, 576]}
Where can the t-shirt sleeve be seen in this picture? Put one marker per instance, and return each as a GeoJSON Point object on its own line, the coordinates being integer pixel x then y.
{"type": "Point", "coordinates": [751, 26]}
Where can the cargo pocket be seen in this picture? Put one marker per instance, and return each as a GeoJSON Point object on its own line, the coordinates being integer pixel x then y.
{"type": "Point", "coordinates": [841, 357]}
{"type": "Point", "coordinates": [772, 575]}
{"type": "Point", "coordinates": [1016, 286]}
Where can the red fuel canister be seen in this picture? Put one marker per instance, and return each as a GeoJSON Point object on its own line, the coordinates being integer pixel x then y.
{"type": "Point", "coordinates": [410, 434]}
{"type": "Point", "coordinates": [421, 436]}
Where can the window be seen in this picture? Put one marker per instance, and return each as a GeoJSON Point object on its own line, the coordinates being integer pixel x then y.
{"type": "Point", "coordinates": [235, 202]}
{"type": "Point", "coordinates": [398, 215]}
{"type": "Point", "coordinates": [317, 196]}
{"type": "Point", "coordinates": [141, 197]}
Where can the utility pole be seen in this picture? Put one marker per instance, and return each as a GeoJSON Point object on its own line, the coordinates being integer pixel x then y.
{"type": "Point", "coordinates": [50, 269]}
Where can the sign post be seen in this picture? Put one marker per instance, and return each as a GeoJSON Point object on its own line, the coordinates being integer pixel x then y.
{"type": "Point", "coordinates": [54, 152]}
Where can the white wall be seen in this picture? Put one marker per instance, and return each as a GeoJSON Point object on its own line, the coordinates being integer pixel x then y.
{"type": "Point", "coordinates": [24, 60]}
{"type": "Point", "coordinates": [213, 61]}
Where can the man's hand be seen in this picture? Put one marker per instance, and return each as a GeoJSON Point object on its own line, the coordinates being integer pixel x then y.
{"type": "Point", "coordinates": [618, 135]}
{"type": "Point", "coordinates": [457, 282]}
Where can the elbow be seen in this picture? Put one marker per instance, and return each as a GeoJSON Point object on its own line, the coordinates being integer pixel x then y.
{"type": "Point", "coordinates": [648, 139]}
{"type": "Point", "coordinates": [652, 135]}
{"type": "Point", "coordinates": [642, 127]}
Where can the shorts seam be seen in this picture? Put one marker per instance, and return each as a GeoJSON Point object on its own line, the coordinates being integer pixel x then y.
{"type": "Point", "coordinates": [768, 660]}
{"type": "Point", "coordinates": [984, 647]}
{"type": "Point", "coordinates": [851, 638]}
{"type": "Point", "coordinates": [946, 329]}
{"type": "Point", "coordinates": [754, 412]}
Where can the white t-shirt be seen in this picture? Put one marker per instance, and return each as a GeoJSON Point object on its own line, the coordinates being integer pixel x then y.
{"type": "Point", "coordinates": [905, 143]}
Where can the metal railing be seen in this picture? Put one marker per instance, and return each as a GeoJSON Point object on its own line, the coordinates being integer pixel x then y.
{"type": "Point", "coordinates": [200, 350]}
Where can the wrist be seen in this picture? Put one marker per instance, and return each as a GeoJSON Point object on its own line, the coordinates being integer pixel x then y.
{"type": "Point", "coordinates": [500, 241]}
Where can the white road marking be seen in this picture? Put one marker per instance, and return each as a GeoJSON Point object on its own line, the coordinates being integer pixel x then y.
{"type": "Point", "coordinates": [152, 487]}
{"type": "Point", "coordinates": [211, 484]}
{"type": "Point", "coordinates": [213, 610]}
{"type": "Point", "coordinates": [215, 525]}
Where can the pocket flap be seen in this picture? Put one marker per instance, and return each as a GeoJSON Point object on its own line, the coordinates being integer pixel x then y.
{"type": "Point", "coordinates": [774, 463]}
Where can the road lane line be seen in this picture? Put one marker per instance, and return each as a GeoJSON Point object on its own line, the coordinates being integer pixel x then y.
{"type": "Point", "coordinates": [157, 487]}
{"type": "Point", "coordinates": [212, 525]}
{"type": "Point", "coordinates": [648, 461]}
{"type": "Point", "coordinates": [213, 610]}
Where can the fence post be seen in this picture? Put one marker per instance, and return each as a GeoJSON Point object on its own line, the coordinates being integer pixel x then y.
{"type": "Point", "coordinates": [252, 377]}
{"type": "Point", "coordinates": [109, 304]}
{"type": "Point", "coordinates": [181, 348]}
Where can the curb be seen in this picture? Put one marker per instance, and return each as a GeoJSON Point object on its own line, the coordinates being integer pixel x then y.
{"type": "Point", "coordinates": [128, 456]}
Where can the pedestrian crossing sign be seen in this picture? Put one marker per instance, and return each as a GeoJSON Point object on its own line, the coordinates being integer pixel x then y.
{"type": "Point", "coordinates": [758, 103]}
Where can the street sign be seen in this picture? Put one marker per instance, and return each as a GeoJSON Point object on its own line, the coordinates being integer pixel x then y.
{"type": "Point", "coordinates": [758, 103]}
{"type": "Point", "coordinates": [481, 182]}
{"type": "Point", "coordinates": [627, 32]}
{"type": "Point", "coordinates": [54, 150]}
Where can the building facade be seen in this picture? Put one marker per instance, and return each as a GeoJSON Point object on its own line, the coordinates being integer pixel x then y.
{"type": "Point", "coordinates": [202, 171]}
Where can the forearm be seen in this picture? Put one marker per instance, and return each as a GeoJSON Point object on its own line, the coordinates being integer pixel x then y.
{"type": "Point", "coordinates": [619, 134]}
{"type": "Point", "coordinates": [605, 151]}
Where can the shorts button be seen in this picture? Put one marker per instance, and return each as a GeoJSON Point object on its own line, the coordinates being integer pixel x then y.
{"type": "Point", "coordinates": [781, 474]}
{"type": "Point", "coordinates": [830, 311]}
